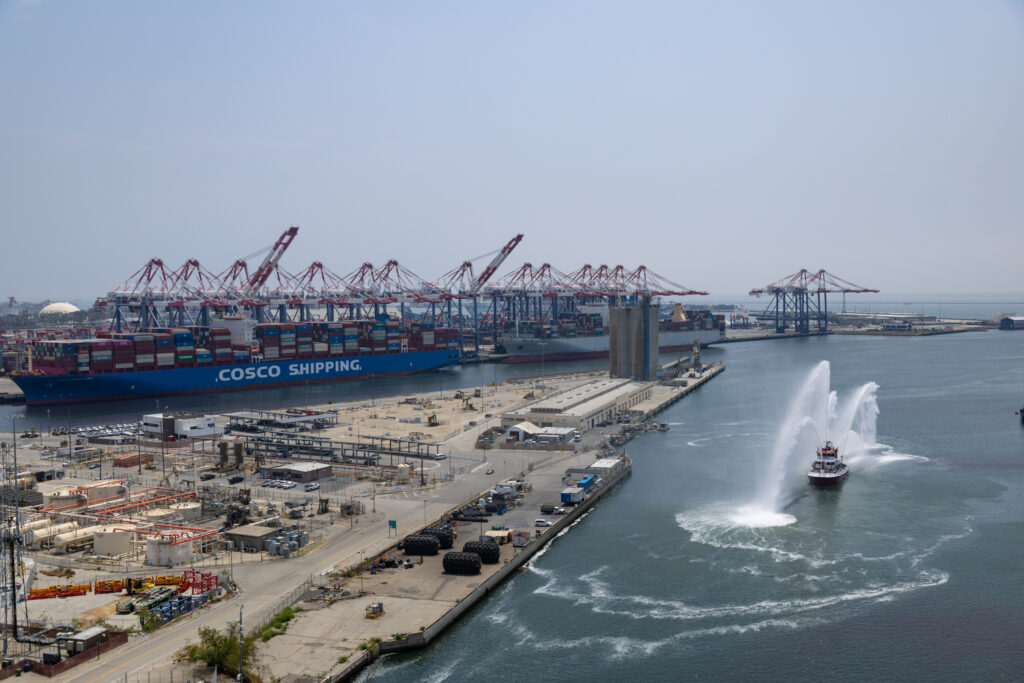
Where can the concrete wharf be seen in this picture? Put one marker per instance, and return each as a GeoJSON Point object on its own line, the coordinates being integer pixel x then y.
{"type": "Point", "coordinates": [409, 597]}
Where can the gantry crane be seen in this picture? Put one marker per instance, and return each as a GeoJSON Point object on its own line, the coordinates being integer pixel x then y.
{"type": "Point", "coordinates": [797, 298]}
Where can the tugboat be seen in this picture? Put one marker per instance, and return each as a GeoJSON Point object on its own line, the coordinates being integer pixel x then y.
{"type": "Point", "coordinates": [828, 468]}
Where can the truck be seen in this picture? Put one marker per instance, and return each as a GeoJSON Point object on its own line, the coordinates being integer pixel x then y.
{"type": "Point", "coordinates": [572, 495]}
{"type": "Point", "coordinates": [551, 510]}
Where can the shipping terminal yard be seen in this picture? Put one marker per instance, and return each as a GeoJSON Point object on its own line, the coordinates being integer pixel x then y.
{"type": "Point", "coordinates": [277, 514]}
{"type": "Point", "coordinates": [335, 533]}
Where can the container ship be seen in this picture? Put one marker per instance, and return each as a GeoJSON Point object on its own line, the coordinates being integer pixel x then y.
{"type": "Point", "coordinates": [240, 355]}
{"type": "Point", "coordinates": [584, 335]}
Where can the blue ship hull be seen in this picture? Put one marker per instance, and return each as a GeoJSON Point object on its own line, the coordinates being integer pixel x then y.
{"type": "Point", "coordinates": [51, 389]}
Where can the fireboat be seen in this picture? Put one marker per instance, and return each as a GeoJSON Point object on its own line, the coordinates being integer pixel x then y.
{"type": "Point", "coordinates": [828, 468]}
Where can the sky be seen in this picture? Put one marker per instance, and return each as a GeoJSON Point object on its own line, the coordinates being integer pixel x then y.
{"type": "Point", "coordinates": [724, 145]}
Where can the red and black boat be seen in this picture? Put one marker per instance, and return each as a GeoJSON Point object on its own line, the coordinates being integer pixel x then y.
{"type": "Point", "coordinates": [828, 468]}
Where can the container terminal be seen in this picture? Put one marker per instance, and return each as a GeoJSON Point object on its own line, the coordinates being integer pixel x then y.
{"type": "Point", "coordinates": [176, 531]}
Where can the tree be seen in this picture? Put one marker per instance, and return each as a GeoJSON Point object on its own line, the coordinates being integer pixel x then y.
{"type": "Point", "coordinates": [220, 648]}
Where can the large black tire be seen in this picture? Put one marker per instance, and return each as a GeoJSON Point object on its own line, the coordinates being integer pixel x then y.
{"type": "Point", "coordinates": [420, 545]}
{"type": "Point", "coordinates": [490, 553]}
{"type": "Point", "coordinates": [461, 563]}
{"type": "Point", "coordinates": [444, 536]}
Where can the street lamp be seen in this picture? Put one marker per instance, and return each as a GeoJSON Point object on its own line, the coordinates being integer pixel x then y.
{"type": "Point", "coordinates": [163, 457]}
{"type": "Point", "coordinates": [542, 345]}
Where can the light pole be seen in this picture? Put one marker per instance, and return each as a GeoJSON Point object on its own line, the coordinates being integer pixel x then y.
{"type": "Point", "coordinates": [163, 457]}
{"type": "Point", "coordinates": [424, 514]}
{"type": "Point", "coordinates": [360, 572]}
{"type": "Point", "coordinates": [48, 429]}
{"type": "Point", "coordinates": [138, 444]}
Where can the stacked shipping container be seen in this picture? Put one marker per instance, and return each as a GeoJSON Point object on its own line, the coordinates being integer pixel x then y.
{"type": "Point", "coordinates": [161, 348]}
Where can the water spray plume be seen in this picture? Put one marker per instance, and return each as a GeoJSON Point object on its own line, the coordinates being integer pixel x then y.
{"type": "Point", "coordinates": [816, 414]}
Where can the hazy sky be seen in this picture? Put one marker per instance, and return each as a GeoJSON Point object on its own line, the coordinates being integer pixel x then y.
{"type": "Point", "coordinates": [722, 144]}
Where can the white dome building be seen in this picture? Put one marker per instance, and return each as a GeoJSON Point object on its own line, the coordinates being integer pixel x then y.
{"type": "Point", "coordinates": [59, 307]}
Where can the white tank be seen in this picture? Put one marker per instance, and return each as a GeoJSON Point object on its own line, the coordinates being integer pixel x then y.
{"type": "Point", "coordinates": [74, 538]}
{"type": "Point", "coordinates": [158, 515]}
{"type": "Point", "coordinates": [36, 524]}
{"type": "Point", "coordinates": [25, 483]}
{"type": "Point", "coordinates": [403, 473]}
{"type": "Point", "coordinates": [111, 541]}
{"type": "Point", "coordinates": [39, 536]}
{"type": "Point", "coordinates": [188, 510]}
{"type": "Point", "coordinates": [163, 552]}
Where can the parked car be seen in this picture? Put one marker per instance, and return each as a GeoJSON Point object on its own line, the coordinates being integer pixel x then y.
{"type": "Point", "coordinates": [236, 479]}
{"type": "Point", "coordinates": [490, 470]}
{"type": "Point", "coordinates": [311, 486]}
{"type": "Point", "coordinates": [206, 476]}
{"type": "Point", "coordinates": [541, 522]}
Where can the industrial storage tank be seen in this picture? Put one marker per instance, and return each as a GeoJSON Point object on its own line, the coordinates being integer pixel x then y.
{"type": "Point", "coordinates": [111, 541]}
{"type": "Point", "coordinates": [188, 510]}
{"type": "Point", "coordinates": [158, 515]}
{"type": "Point", "coordinates": [163, 551]}
{"type": "Point", "coordinates": [62, 497]}
{"type": "Point", "coordinates": [105, 491]}
{"type": "Point", "coordinates": [36, 524]}
{"type": "Point", "coordinates": [25, 483]}
{"type": "Point", "coordinates": [74, 539]}
{"type": "Point", "coordinates": [402, 476]}
{"type": "Point", "coordinates": [40, 536]}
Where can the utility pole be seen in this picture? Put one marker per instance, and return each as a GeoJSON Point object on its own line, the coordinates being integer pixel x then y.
{"type": "Point", "coordinates": [240, 676]}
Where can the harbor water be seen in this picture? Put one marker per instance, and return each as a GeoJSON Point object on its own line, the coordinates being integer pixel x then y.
{"type": "Point", "coordinates": [717, 561]}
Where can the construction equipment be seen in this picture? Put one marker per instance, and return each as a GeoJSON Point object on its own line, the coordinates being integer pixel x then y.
{"type": "Point", "coordinates": [244, 496]}
{"type": "Point", "coordinates": [322, 508]}
{"type": "Point", "coordinates": [432, 420]}
{"type": "Point", "coordinates": [262, 274]}
{"type": "Point", "coordinates": [375, 610]}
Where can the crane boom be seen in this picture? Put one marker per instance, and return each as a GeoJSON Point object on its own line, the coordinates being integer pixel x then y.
{"type": "Point", "coordinates": [493, 266]}
{"type": "Point", "coordinates": [259, 278]}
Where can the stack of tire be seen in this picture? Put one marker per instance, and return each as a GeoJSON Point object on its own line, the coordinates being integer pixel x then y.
{"type": "Point", "coordinates": [420, 545]}
{"type": "Point", "coordinates": [488, 551]}
{"type": "Point", "coordinates": [461, 563]}
{"type": "Point", "coordinates": [471, 515]}
{"type": "Point", "coordinates": [444, 535]}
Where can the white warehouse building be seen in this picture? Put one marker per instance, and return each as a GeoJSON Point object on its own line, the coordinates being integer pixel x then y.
{"type": "Point", "coordinates": [180, 425]}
